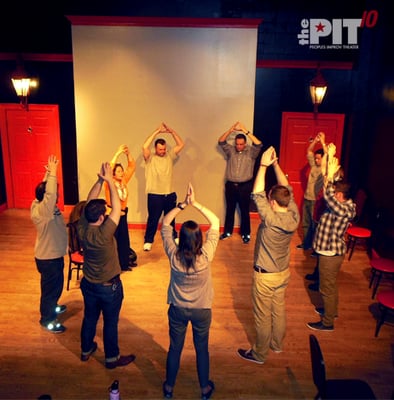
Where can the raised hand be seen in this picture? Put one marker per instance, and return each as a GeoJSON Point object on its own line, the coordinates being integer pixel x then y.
{"type": "Point", "coordinates": [268, 157]}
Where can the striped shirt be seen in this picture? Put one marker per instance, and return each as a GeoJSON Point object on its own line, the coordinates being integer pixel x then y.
{"type": "Point", "coordinates": [330, 232]}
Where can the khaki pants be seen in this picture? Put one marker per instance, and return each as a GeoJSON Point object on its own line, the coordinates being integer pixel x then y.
{"type": "Point", "coordinates": [268, 297]}
{"type": "Point", "coordinates": [328, 271]}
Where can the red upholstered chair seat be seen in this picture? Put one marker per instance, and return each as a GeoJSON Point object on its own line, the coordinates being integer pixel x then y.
{"type": "Point", "coordinates": [386, 305]}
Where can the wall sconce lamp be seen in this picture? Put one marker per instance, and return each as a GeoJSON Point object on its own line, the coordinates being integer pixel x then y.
{"type": "Point", "coordinates": [318, 87]}
{"type": "Point", "coordinates": [22, 84]}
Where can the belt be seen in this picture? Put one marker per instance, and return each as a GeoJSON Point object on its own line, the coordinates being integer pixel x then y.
{"type": "Point", "coordinates": [115, 279]}
{"type": "Point", "coordinates": [259, 269]}
{"type": "Point", "coordinates": [239, 183]}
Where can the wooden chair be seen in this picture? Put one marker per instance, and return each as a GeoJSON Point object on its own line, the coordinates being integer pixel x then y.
{"type": "Point", "coordinates": [334, 388]}
{"type": "Point", "coordinates": [386, 305]}
{"type": "Point", "coordinates": [75, 254]}
{"type": "Point", "coordinates": [381, 267]}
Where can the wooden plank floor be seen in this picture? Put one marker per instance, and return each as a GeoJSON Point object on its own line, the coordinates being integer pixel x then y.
{"type": "Point", "coordinates": [34, 362]}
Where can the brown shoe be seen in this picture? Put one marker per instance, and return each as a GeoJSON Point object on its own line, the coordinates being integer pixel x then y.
{"type": "Point", "coordinates": [120, 362]}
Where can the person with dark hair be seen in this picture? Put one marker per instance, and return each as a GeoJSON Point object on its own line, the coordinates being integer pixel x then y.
{"type": "Point", "coordinates": [50, 247]}
{"type": "Point", "coordinates": [101, 285]}
{"type": "Point", "coordinates": [329, 241]}
{"type": "Point", "coordinates": [313, 187]}
{"type": "Point", "coordinates": [127, 256]}
{"type": "Point", "coordinates": [158, 175]}
{"type": "Point", "coordinates": [239, 177]}
{"type": "Point", "coordinates": [190, 291]}
{"type": "Point", "coordinates": [279, 221]}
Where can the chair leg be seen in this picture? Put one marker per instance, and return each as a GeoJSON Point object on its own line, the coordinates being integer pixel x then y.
{"type": "Point", "coordinates": [380, 322]}
{"type": "Point", "coordinates": [373, 274]}
{"type": "Point", "coordinates": [375, 289]}
{"type": "Point", "coordinates": [352, 243]}
{"type": "Point", "coordinates": [69, 276]}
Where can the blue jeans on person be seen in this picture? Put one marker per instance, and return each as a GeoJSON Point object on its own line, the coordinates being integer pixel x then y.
{"type": "Point", "coordinates": [158, 204]}
{"type": "Point", "coordinates": [106, 298]}
{"type": "Point", "coordinates": [238, 193]}
{"type": "Point", "coordinates": [52, 281]}
{"type": "Point", "coordinates": [178, 319]}
{"type": "Point", "coordinates": [308, 223]}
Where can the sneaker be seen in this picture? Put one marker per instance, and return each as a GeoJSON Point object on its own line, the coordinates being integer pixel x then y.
{"type": "Point", "coordinates": [225, 236]}
{"type": "Point", "coordinates": [86, 356]}
{"type": "Point", "coordinates": [167, 394]}
{"type": "Point", "coordinates": [314, 287]}
{"type": "Point", "coordinates": [277, 351]}
{"type": "Point", "coordinates": [320, 311]}
{"type": "Point", "coordinates": [147, 246]}
{"type": "Point", "coordinates": [60, 309]}
{"type": "Point", "coordinates": [120, 362]}
{"type": "Point", "coordinates": [54, 327]}
{"type": "Point", "coordinates": [318, 326]}
{"type": "Point", "coordinates": [247, 355]}
{"type": "Point", "coordinates": [246, 238]}
{"type": "Point", "coordinates": [207, 395]}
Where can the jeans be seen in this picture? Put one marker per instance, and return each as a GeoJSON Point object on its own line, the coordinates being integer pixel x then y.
{"type": "Point", "coordinates": [105, 298]}
{"type": "Point", "coordinates": [328, 272]}
{"type": "Point", "coordinates": [52, 281]}
{"type": "Point", "coordinates": [268, 297]}
{"type": "Point", "coordinates": [308, 223]}
{"type": "Point", "coordinates": [238, 193]}
{"type": "Point", "coordinates": [178, 319]}
{"type": "Point", "coordinates": [158, 204]}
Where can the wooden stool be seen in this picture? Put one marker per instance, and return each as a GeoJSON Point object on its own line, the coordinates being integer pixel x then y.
{"type": "Point", "coordinates": [386, 304]}
{"type": "Point", "coordinates": [356, 233]}
{"type": "Point", "coordinates": [379, 267]}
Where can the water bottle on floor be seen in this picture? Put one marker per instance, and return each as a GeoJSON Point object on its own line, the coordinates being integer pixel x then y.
{"type": "Point", "coordinates": [114, 391]}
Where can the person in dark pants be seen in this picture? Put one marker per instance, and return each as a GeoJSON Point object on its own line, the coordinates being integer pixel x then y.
{"type": "Point", "coordinates": [101, 285]}
{"type": "Point", "coordinates": [239, 177]}
{"type": "Point", "coordinates": [50, 247]}
{"type": "Point", "coordinates": [158, 174]}
{"type": "Point", "coordinates": [190, 292]}
{"type": "Point", "coordinates": [121, 176]}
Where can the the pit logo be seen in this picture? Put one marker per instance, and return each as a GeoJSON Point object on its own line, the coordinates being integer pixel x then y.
{"type": "Point", "coordinates": [343, 32]}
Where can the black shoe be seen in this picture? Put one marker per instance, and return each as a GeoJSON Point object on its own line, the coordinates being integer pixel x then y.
{"type": "Point", "coordinates": [127, 269]}
{"type": "Point", "coordinates": [166, 393]}
{"type": "Point", "coordinates": [318, 326]}
{"type": "Point", "coordinates": [60, 309]}
{"type": "Point", "coordinates": [246, 239]}
{"type": "Point", "coordinates": [120, 362]}
{"type": "Point", "coordinates": [300, 246]}
{"type": "Point", "coordinates": [247, 355]}
{"type": "Point", "coordinates": [54, 327]}
{"type": "Point", "coordinates": [314, 254]}
{"type": "Point", "coordinates": [320, 311]}
{"type": "Point", "coordinates": [314, 287]}
{"type": "Point", "coordinates": [206, 396]}
{"type": "Point", "coordinates": [132, 264]}
{"type": "Point", "coordinates": [85, 357]}
{"type": "Point", "coordinates": [224, 236]}
{"type": "Point", "coordinates": [312, 277]}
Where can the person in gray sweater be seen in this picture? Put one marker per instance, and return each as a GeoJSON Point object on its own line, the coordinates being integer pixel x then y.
{"type": "Point", "coordinates": [50, 247]}
{"type": "Point", "coordinates": [190, 291]}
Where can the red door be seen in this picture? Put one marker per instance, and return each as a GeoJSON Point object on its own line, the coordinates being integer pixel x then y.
{"type": "Point", "coordinates": [297, 131]}
{"type": "Point", "coordinates": [28, 137]}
